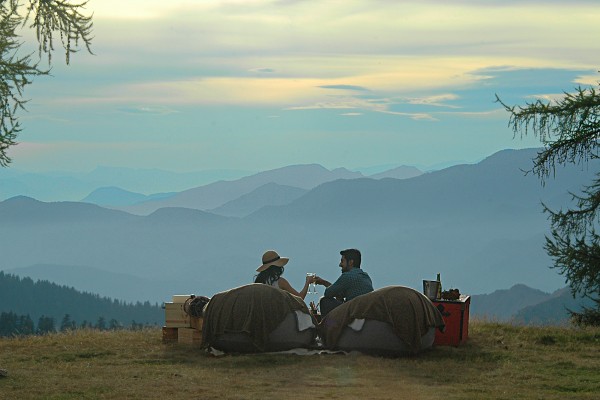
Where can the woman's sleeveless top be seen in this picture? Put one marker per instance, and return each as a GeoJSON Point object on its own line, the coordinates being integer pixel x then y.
{"type": "Point", "coordinates": [274, 284]}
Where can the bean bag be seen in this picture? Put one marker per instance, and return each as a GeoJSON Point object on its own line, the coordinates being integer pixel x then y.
{"type": "Point", "coordinates": [393, 320]}
{"type": "Point", "coordinates": [257, 318]}
{"type": "Point", "coordinates": [378, 338]}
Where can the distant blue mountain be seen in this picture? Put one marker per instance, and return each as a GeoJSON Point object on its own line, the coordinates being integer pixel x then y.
{"type": "Point", "coordinates": [402, 172]}
{"type": "Point", "coordinates": [179, 216]}
{"type": "Point", "coordinates": [553, 311]}
{"type": "Point", "coordinates": [503, 304]}
{"type": "Point", "coordinates": [270, 194]}
{"type": "Point", "coordinates": [481, 226]}
{"type": "Point", "coordinates": [61, 186]}
{"type": "Point", "coordinates": [214, 195]}
{"type": "Point", "coordinates": [524, 305]}
{"type": "Point", "coordinates": [112, 196]}
{"type": "Point", "coordinates": [21, 210]}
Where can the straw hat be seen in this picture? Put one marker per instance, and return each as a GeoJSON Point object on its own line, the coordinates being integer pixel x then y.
{"type": "Point", "coordinates": [272, 258]}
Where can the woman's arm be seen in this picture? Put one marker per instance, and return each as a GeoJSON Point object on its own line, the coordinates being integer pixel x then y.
{"type": "Point", "coordinates": [285, 285]}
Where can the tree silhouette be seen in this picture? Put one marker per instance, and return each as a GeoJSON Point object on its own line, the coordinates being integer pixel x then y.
{"type": "Point", "coordinates": [569, 129]}
{"type": "Point", "coordinates": [49, 19]}
{"type": "Point", "coordinates": [45, 325]}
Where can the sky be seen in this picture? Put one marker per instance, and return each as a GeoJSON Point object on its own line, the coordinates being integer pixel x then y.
{"type": "Point", "coordinates": [261, 84]}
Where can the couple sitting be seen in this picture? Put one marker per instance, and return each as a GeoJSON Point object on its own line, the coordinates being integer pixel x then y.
{"type": "Point", "coordinates": [352, 282]}
{"type": "Point", "coordinates": [270, 315]}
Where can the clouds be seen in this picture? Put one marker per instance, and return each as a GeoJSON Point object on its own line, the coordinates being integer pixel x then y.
{"type": "Point", "coordinates": [147, 110]}
{"type": "Point", "coordinates": [345, 87]}
{"type": "Point", "coordinates": [213, 73]}
{"type": "Point", "coordinates": [219, 51]}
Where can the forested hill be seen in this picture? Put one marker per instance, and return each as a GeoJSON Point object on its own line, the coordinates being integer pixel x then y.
{"type": "Point", "coordinates": [23, 296]}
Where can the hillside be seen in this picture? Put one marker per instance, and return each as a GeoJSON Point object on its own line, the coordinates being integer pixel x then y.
{"type": "Point", "coordinates": [554, 310]}
{"type": "Point", "coordinates": [503, 304]}
{"type": "Point", "coordinates": [115, 285]}
{"type": "Point", "coordinates": [23, 296]}
{"type": "Point", "coordinates": [497, 362]}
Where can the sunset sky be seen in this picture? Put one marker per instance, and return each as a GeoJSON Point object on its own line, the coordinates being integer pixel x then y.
{"type": "Point", "coordinates": [256, 85]}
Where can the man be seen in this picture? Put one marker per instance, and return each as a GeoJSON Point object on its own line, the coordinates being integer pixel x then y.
{"type": "Point", "coordinates": [352, 283]}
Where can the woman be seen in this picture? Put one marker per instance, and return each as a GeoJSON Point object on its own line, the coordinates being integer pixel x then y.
{"type": "Point", "coordinates": [270, 272]}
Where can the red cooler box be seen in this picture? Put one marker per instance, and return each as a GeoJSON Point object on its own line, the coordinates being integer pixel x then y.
{"type": "Point", "coordinates": [456, 317]}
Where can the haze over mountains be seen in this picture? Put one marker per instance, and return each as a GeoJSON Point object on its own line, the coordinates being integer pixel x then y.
{"type": "Point", "coordinates": [134, 184]}
{"type": "Point", "coordinates": [216, 194]}
{"type": "Point", "coordinates": [522, 304]}
{"type": "Point", "coordinates": [61, 186]}
{"type": "Point", "coordinates": [479, 225]}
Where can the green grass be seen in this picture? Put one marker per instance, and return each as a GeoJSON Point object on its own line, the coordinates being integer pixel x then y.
{"type": "Point", "coordinates": [498, 362]}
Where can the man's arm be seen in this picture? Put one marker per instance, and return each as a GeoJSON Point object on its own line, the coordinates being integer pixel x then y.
{"type": "Point", "coordinates": [321, 281]}
{"type": "Point", "coordinates": [337, 289]}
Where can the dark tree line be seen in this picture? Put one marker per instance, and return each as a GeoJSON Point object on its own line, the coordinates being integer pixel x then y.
{"type": "Point", "coordinates": [12, 325]}
{"type": "Point", "coordinates": [69, 307]}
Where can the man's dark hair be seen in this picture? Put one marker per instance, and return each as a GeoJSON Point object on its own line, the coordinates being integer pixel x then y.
{"type": "Point", "coordinates": [352, 254]}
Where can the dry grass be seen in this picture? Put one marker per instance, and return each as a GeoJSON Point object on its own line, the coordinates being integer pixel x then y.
{"type": "Point", "coordinates": [498, 362]}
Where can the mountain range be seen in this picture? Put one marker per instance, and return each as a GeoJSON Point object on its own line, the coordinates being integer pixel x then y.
{"type": "Point", "coordinates": [524, 305]}
{"type": "Point", "coordinates": [112, 196]}
{"type": "Point", "coordinates": [214, 195]}
{"type": "Point", "coordinates": [238, 197]}
{"type": "Point", "coordinates": [119, 186]}
{"type": "Point", "coordinates": [60, 186]}
{"type": "Point", "coordinates": [480, 225]}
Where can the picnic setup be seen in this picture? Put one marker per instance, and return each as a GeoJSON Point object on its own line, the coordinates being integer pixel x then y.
{"type": "Point", "coordinates": [389, 321]}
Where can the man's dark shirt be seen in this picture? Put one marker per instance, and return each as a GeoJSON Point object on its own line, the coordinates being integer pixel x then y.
{"type": "Point", "coordinates": [350, 284]}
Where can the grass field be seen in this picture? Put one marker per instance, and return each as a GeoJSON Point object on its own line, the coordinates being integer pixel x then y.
{"type": "Point", "coordinates": [498, 362]}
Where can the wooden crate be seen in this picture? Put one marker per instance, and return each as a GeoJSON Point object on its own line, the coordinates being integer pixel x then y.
{"type": "Point", "coordinates": [175, 317]}
{"type": "Point", "coordinates": [169, 335]}
{"type": "Point", "coordinates": [189, 336]}
{"type": "Point", "coordinates": [196, 323]}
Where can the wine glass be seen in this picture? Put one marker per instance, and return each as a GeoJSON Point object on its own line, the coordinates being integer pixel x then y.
{"type": "Point", "coordinates": [313, 285]}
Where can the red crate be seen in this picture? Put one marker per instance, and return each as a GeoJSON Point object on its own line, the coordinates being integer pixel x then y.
{"type": "Point", "coordinates": [456, 317]}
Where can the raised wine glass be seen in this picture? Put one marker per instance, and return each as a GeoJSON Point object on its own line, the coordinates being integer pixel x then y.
{"type": "Point", "coordinates": [313, 285]}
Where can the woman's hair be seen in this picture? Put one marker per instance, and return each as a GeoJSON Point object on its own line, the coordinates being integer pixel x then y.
{"type": "Point", "coordinates": [269, 275]}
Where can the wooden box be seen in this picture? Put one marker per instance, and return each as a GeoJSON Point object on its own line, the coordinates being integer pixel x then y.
{"type": "Point", "coordinates": [189, 336]}
{"type": "Point", "coordinates": [175, 317]}
{"type": "Point", "coordinates": [181, 298]}
{"type": "Point", "coordinates": [456, 317]}
{"type": "Point", "coordinates": [169, 335]}
{"type": "Point", "coordinates": [196, 323]}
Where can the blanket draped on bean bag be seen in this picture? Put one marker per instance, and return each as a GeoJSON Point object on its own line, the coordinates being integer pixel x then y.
{"type": "Point", "coordinates": [249, 313]}
{"type": "Point", "coordinates": [410, 314]}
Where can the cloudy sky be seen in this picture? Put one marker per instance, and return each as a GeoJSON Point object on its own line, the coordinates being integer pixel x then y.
{"type": "Point", "coordinates": [260, 84]}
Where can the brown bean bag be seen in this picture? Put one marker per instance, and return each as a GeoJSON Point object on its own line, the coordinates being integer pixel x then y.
{"type": "Point", "coordinates": [398, 320]}
{"type": "Point", "coordinates": [255, 318]}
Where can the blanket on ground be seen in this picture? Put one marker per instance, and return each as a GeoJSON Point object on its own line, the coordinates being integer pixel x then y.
{"type": "Point", "coordinates": [410, 313]}
{"type": "Point", "coordinates": [255, 309]}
